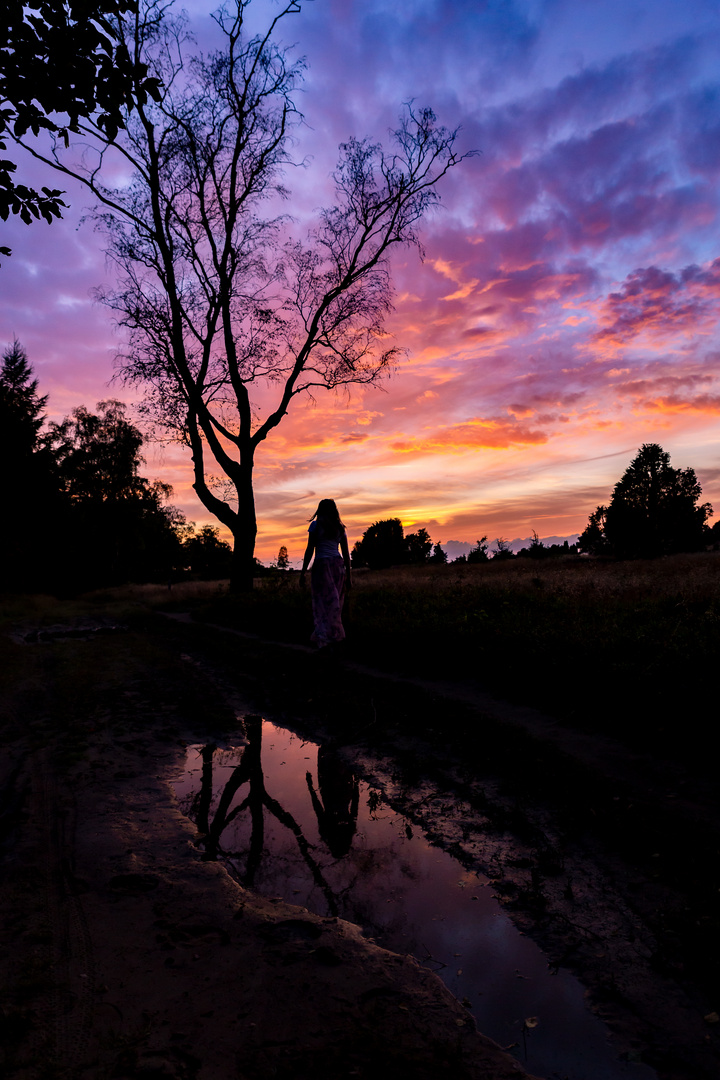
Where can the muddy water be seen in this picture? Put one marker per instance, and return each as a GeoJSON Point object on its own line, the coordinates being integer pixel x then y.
{"type": "Point", "coordinates": [290, 820]}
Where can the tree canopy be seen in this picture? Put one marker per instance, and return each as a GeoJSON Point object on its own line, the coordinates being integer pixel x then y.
{"type": "Point", "coordinates": [118, 525]}
{"type": "Point", "coordinates": [20, 405]}
{"type": "Point", "coordinates": [479, 553]}
{"type": "Point", "coordinates": [60, 61]}
{"type": "Point", "coordinates": [79, 512]}
{"type": "Point", "coordinates": [385, 544]}
{"type": "Point", "coordinates": [30, 492]}
{"type": "Point", "coordinates": [653, 511]}
{"type": "Point", "coordinates": [382, 545]}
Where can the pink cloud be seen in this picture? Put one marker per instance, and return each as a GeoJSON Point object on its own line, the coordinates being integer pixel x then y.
{"type": "Point", "coordinates": [661, 303]}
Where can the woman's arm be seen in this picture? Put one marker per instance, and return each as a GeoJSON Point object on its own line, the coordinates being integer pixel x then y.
{"type": "Point", "coordinates": [346, 558]}
{"type": "Point", "coordinates": [308, 554]}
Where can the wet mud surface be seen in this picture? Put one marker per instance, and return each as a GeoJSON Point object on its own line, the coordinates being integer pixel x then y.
{"type": "Point", "coordinates": [290, 818]}
{"type": "Point", "coordinates": [124, 954]}
{"type": "Point", "coordinates": [117, 934]}
{"type": "Point", "coordinates": [608, 859]}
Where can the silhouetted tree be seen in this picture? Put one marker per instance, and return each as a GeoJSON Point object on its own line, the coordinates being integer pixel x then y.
{"type": "Point", "coordinates": [20, 404]}
{"type": "Point", "coordinates": [283, 561]}
{"type": "Point", "coordinates": [592, 541]}
{"type": "Point", "coordinates": [61, 60]}
{"type": "Point", "coordinates": [118, 526]}
{"type": "Point", "coordinates": [98, 454]}
{"type": "Point", "coordinates": [653, 510]}
{"type": "Point", "coordinates": [213, 299]}
{"type": "Point", "coordinates": [479, 553]}
{"type": "Point", "coordinates": [382, 545]}
{"type": "Point", "coordinates": [418, 547]}
{"type": "Point", "coordinates": [438, 557]}
{"type": "Point", "coordinates": [535, 550]}
{"type": "Point", "coordinates": [502, 549]}
{"type": "Point", "coordinates": [538, 550]}
{"type": "Point", "coordinates": [30, 488]}
{"type": "Point", "coordinates": [206, 554]}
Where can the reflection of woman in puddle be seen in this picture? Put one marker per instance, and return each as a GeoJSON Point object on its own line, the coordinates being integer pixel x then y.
{"type": "Point", "coordinates": [337, 805]}
{"type": "Point", "coordinates": [330, 575]}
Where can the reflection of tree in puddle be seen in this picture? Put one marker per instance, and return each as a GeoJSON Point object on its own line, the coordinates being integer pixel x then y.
{"type": "Point", "coordinates": [335, 803]}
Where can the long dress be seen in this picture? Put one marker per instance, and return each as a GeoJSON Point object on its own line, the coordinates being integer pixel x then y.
{"type": "Point", "coordinates": [327, 579]}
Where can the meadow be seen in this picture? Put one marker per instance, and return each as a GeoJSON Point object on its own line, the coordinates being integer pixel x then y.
{"type": "Point", "coordinates": [628, 649]}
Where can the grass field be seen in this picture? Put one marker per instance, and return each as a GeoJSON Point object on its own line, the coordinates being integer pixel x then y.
{"type": "Point", "coordinates": [629, 649]}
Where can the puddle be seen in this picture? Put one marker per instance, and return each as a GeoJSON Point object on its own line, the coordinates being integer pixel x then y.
{"type": "Point", "coordinates": [290, 820]}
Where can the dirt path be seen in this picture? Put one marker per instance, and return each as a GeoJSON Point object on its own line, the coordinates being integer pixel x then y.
{"type": "Point", "coordinates": [125, 955]}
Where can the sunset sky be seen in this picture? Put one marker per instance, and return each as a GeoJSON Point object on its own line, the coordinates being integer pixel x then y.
{"type": "Point", "coordinates": [567, 307]}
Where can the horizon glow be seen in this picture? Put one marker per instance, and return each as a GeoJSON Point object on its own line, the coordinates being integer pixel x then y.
{"type": "Point", "coordinates": [567, 308]}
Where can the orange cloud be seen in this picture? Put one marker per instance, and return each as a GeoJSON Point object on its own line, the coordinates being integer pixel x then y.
{"type": "Point", "coordinates": [480, 432]}
{"type": "Point", "coordinates": [673, 403]}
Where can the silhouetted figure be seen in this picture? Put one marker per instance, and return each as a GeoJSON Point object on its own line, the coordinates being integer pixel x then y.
{"type": "Point", "coordinates": [337, 805]}
{"type": "Point", "coordinates": [330, 575]}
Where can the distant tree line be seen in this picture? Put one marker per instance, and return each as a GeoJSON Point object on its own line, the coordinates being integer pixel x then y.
{"type": "Point", "coordinates": [79, 514]}
{"type": "Point", "coordinates": [384, 544]}
{"type": "Point", "coordinates": [654, 510]}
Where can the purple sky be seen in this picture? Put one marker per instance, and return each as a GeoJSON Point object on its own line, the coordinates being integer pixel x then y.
{"type": "Point", "coordinates": [567, 307]}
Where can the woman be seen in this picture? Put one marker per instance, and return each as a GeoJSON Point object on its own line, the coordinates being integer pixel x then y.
{"type": "Point", "coordinates": [330, 575]}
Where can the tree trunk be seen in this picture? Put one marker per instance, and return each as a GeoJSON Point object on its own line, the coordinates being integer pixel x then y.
{"type": "Point", "coordinates": [244, 533]}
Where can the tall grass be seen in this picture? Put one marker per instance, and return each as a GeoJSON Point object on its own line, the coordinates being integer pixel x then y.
{"type": "Point", "coordinates": [628, 648]}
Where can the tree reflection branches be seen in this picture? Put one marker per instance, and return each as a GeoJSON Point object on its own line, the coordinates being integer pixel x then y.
{"type": "Point", "coordinates": [336, 831]}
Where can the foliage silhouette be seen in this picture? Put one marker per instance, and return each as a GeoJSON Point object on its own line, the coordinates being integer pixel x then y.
{"type": "Point", "coordinates": [382, 545]}
{"type": "Point", "coordinates": [31, 492]}
{"type": "Point", "coordinates": [217, 298]}
{"type": "Point", "coordinates": [283, 562]}
{"type": "Point", "coordinates": [653, 511]}
{"type": "Point", "coordinates": [418, 547]}
{"type": "Point", "coordinates": [206, 554]}
{"type": "Point", "coordinates": [593, 541]}
{"type": "Point", "coordinates": [438, 557]}
{"type": "Point", "coordinates": [479, 553]}
{"type": "Point", "coordinates": [59, 62]}
{"type": "Point", "coordinates": [117, 524]}
{"type": "Point", "coordinates": [502, 549]}
{"type": "Point", "coordinates": [538, 550]}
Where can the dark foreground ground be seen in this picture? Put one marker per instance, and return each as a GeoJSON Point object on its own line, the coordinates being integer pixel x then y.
{"type": "Point", "coordinates": [125, 955]}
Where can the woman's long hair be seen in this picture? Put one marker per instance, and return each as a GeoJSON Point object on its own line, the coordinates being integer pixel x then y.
{"type": "Point", "coordinates": [328, 519]}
